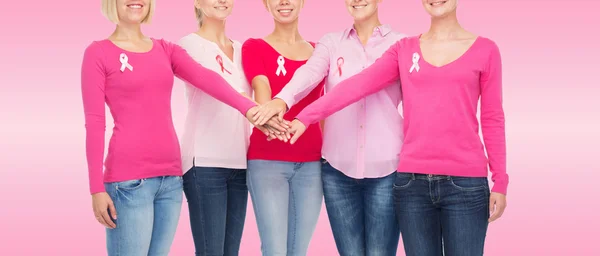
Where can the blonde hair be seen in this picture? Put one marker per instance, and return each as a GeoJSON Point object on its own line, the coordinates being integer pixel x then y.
{"type": "Point", "coordinates": [109, 10]}
{"type": "Point", "coordinates": [199, 15]}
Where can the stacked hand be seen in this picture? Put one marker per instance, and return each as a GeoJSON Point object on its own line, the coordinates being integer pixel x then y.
{"type": "Point", "coordinates": [268, 118]}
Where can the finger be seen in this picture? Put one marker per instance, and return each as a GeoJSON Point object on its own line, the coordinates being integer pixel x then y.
{"type": "Point", "coordinates": [498, 212]}
{"type": "Point", "coordinates": [296, 134]}
{"type": "Point", "coordinates": [280, 116]}
{"type": "Point", "coordinates": [258, 115]}
{"type": "Point", "coordinates": [260, 112]}
{"type": "Point", "coordinates": [492, 206]}
{"type": "Point", "coordinates": [277, 126]}
{"type": "Point", "coordinates": [101, 221]}
{"type": "Point", "coordinates": [281, 137]}
{"type": "Point", "coordinates": [113, 210]}
{"type": "Point", "coordinates": [493, 210]}
{"type": "Point", "coordinates": [263, 129]}
{"type": "Point", "coordinates": [107, 220]}
{"type": "Point", "coordinates": [271, 130]}
{"type": "Point", "coordinates": [266, 116]}
{"type": "Point", "coordinates": [257, 112]}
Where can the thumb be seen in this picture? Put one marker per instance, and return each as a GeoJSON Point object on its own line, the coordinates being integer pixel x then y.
{"type": "Point", "coordinates": [294, 138]}
{"type": "Point", "coordinates": [113, 210]}
{"type": "Point", "coordinates": [492, 205]}
{"type": "Point", "coordinates": [280, 115]}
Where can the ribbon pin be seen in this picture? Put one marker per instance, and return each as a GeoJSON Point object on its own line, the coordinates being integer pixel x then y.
{"type": "Point", "coordinates": [220, 61]}
{"type": "Point", "coordinates": [280, 68]}
{"type": "Point", "coordinates": [340, 62]}
{"type": "Point", "coordinates": [124, 64]}
{"type": "Point", "coordinates": [415, 60]}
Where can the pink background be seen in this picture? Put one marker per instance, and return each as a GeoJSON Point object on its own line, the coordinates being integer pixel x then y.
{"type": "Point", "coordinates": [551, 85]}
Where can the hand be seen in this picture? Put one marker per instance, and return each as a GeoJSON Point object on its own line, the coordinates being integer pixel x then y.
{"type": "Point", "coordinates": [297, 129]}
{"type": "Point", "coordinates": [102, 203]}
{"type": "Point", "coordinates": [269, 109]}
{"type": "Point", "coordinates": [279, 126]}
{"type": "Point", "coordinates": [497, 206]}
{"type": "Point", "coordinates": [249, 116]}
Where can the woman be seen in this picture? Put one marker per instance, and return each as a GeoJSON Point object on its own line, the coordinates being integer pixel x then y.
{"type": "Point", "coordinates": [215, 138]}
{"type": "Point", "coordinates": [284, 180]}
{"type": "Point", "coordinates": [359, 160]}
{"type": "Point", "coordinates": [441, 189]}
{"type": "Point", "coordinates": [133, 74]}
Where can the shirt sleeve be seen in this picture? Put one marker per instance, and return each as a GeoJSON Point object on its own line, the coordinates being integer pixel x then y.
{"type": "Point", "coordinates": [93, 77]}
{"type": "Point", "coordinates": [492, 119]}
{"type": "Point", "coordinates": [252, 62]}
{"type": "Point", "coordinates": [370, 80]}
{"type": "Point", "coordinates": [190, 71]}
{"type": "Point", "coordinates": [309, 75]}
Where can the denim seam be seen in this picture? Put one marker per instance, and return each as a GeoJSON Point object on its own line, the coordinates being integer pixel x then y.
{"type": "Point", "coordinates": [202, 220]}
{"type": "Point", "coordinates": [118, 199]}
{"type": "Point", "coordinates": [256, 206]}
{"type": "Point", "coordinates": [295, 220]}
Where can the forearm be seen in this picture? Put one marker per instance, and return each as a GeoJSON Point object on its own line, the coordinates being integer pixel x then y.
{"type": "Point", "coordinates": [493, 131]}
{"type": "Point", "coordinates": [305, 79]}
{"type": "Point", "coordinates": [262, 93]}
{"type": "Point", "coordinates": [210, 82]}
{"type": "Point", "coordinates": [372, 79]}
{"type": "Point", "coordinates": [493, 121]}
{"type": "Point", "coordinates": [94, 144]}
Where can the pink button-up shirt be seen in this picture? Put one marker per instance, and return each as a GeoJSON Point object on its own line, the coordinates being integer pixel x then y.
{"type": "Point", "coordinates": [361, 139]}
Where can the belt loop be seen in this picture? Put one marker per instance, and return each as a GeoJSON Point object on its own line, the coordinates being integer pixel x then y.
{"type": "Point", "coordinates": [413, 176]}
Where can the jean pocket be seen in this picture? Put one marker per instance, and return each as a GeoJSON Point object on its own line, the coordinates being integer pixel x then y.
{"type": "Point", "coordinates": [469, 183]}
{"type": "Point", "coordinates": [403, 180]}
{"type": "Point", "coordinates": [130, 184]}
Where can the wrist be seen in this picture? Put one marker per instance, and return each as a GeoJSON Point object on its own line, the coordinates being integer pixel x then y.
{"type": "Point", "coordinates": [281, 104]}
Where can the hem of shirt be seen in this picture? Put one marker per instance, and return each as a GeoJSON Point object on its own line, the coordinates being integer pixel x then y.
{"type": "Point", "coordinates": [293, 159]}
{"type": "Point", "coordinates": [124, 177]}
{"type": "Point", "coordinates": [214, 165]}
{"type": "Point", "coordinates": [468, 174]}
{"type": "Point", "coordinates": [357, 177]}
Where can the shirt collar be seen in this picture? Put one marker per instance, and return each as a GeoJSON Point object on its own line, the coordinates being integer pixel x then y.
{"type": "Point", "coordinates": [382, 30]}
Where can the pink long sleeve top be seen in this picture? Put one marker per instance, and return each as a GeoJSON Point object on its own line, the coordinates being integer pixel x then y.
{"type": "Point", "coordinates": [354, 140]}
{"type": "Point", "coordinates": [137, 88]}
{"type": "Point", "coordinates": [441, 128]}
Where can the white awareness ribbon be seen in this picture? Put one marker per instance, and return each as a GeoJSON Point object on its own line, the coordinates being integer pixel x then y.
{"type": "Point", "coordinates": [280, 68]}
{"type": "Point", "coordinates": [415, 65]}
{"type": "Point", "coordinates": [124, 64]}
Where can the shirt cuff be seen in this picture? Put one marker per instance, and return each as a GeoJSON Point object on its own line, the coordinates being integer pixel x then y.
{"type": "Point", "coordinates": [500, 186]}
{"type": "Point", "coordinates": [288, 99]}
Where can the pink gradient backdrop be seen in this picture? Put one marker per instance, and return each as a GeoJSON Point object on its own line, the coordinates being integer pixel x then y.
{"type": "Point", "coordinates": [551, 85]}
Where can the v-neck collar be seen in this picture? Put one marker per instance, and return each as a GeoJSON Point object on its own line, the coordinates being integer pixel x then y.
{"type": "Point", "coordinates": [221, 52]}
{"type": "Point", "coordinates": [462, 56]}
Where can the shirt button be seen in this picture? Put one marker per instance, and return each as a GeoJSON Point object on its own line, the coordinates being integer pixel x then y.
{"type": "Point", "coordinates": [361, 127]}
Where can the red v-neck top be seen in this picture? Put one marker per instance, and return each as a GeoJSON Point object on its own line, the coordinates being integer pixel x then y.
{"type": "Point", "coordinates": [260, 58]}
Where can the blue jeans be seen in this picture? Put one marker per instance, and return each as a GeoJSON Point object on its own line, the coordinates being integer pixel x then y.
{"type": "Point", "coordinates": [442, 215]}
{"type": "Point", "coordinates": [147, 215]}
{"type": "Point", "coordinates": [217, 200]}
{"type": "Point", "coordinates": [361, 213]}
{"type": "Point", "coordinates": [287, 199]}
